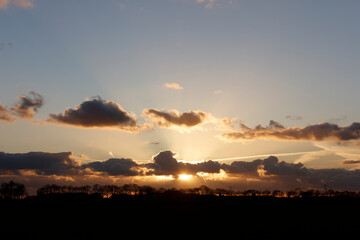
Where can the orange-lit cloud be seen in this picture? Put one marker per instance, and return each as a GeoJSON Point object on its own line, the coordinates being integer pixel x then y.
{"type": "Point", "coordinates": [4, 4]}
{"type": "Point", "coordinates": [175, 86]}
{"type": "Point", "coordinates": [5, 114]}
{"type": "Point", "coordinates": [315, 132]}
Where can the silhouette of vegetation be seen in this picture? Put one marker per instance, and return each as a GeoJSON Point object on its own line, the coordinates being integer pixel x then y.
{"type": "Point", "coordinates": [97, 211]}
{"type": "Point", "coordinates": [12, 190]}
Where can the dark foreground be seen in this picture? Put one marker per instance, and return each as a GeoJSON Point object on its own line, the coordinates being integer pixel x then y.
{"type": "Point", "coordinates": [133, 217]}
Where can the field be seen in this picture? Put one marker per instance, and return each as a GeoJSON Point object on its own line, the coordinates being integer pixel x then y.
{"type": "Point", "coordinates": [79, 216]}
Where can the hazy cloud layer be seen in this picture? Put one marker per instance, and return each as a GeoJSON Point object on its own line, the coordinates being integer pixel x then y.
{"type": "Point", "coordinates": [316, 132]}
{"type": "Point", "coordinates": [97, 112]}
{"type": "Point", "coordinates": [164, 118]}
{"type": "Point", "coordinates": [27, 106]}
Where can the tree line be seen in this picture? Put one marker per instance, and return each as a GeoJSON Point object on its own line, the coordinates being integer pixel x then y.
{"type": "Point", "coordinates": [13, 190]}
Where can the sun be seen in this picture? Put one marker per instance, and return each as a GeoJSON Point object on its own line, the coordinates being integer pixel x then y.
{"type": "Point", "coordinates": [185, 177]}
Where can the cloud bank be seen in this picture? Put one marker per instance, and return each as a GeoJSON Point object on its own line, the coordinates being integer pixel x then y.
{"type": "Point", "coordinates": [316, 132]}
{"type": "Point", "coordinates": [261, 173]}
{"type": "Point", "coordinates": [99, 113]}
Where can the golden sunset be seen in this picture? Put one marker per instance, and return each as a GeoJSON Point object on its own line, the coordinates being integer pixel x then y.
{"type": "Point", "coordinates": [184, 106]}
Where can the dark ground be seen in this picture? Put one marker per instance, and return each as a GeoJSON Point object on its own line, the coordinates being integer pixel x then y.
{"type": "Point", "coordinates": [80, 216]}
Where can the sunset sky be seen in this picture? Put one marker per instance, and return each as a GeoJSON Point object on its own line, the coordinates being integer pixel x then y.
{"type": "Point", "coordinates": [181, 92]}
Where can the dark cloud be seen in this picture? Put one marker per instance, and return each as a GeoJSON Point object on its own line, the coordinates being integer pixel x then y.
{"type": "Point", "coordinates": [5, 114]}
{"type": "Point", "coordinates": [166, 164]}
{"type": "Point", "coordinates": [283, 175]}
{"type": "Point", "coordinates": [114, 166]}
{"type": "Point", "coordinates": [27, 106]}
{"type": "Point", "coordinates": [267, 167]}
{"type": "Point", "coordinates": [351, 162]}
{"type": "Point", "coordinates": [242, 167]}
{"type": "Point", "coordinates": [316, 132]}
{"type": "Point", "coordinates": [42, 163]}
{"type": "Point", "coordinates": [96, 112]}
{"type": "Point", "coordinates": [175, 118]}
{"type": "Point", "coordinates": [205, 166]}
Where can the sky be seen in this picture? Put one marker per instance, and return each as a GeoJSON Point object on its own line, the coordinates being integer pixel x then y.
{"type": "Point", "coordinates": [219, 84]}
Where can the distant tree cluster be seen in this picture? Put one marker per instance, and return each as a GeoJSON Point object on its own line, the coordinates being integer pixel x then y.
{"type": "Point", "coordinates": [12, 190]}
{"type": "Point", "coordinates": [134, 189]}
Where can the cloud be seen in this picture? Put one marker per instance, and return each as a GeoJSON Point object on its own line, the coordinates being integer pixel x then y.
{"type": "Point", "coordinates": [114, 166]}
{"type": "Point", "coordinates": [175, 86]}
{"type": "Point", "coordinates": [293, 117]}
{"type": "Point", "coordinates": [27, 106]}
{"type": "Point", "coordinates": [44, 167]}
{"type": "Point", "coordinates": [316, 132]}
{"type": "Point", "coordinates": [351, 162]}
{"type": "Point", "coordinates": [165, 163]}
{"type": "Point", "coordinates": [164, 118]}
{"type": "Point", "coordinates": [97, 112]}
{"type": "Point", "coordinates": [209, 3]}
{"type": "Point", "coordinates": [43, 163]}
{"type": "Point", "coordinates": [283, 175]}
{"type": "Point", "coordinates": [4, 4]}
{"type": "Point", "coordinates": [5, 114]}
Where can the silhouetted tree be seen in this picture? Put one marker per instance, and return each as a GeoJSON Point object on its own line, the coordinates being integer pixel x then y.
{"type": "Point", "coordinates": [204, 190]}
{"type": "Point", "coordinates": [251, 192]}
{"type": "Point", "coordinates": [291, 194]}
{"type": "Point", "coordinates": [277, 193]}
{"type": "Point", "coordinates": [147, 190]}
{"type": "Point", "coordinates": [265, 193]}
{"type": "Point", "coordinates": [310, 193]}
{"type": "Point", "coordinates": [12, 190]}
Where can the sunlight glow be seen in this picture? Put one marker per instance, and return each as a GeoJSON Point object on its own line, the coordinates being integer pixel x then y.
{"type": "Point", "coordinates": [185, 177]}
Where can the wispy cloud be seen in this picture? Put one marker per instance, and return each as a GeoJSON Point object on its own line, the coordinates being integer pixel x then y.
{"type": "Point", "coordinates": [316, 132]}
{"type": "Point", "coordinates": [27, 106]}
{"type": "Point", "coordinates": [175, 86]}
{"type": "Point", "coordinates": [4, 4]}
{"type": "Point", "coordinates": [208, 3]}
